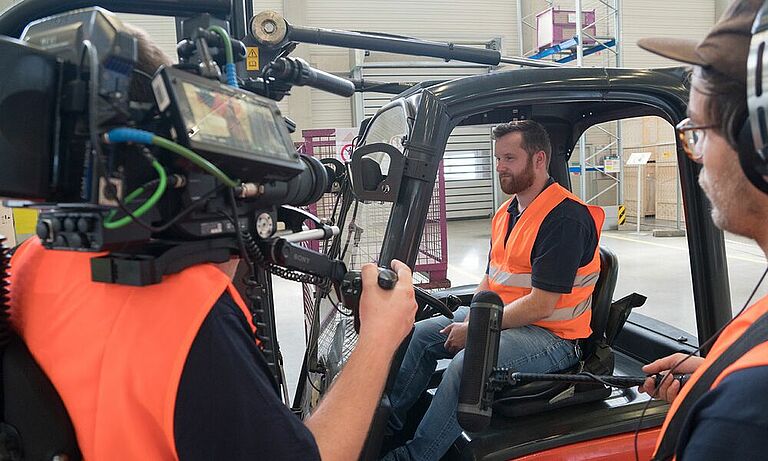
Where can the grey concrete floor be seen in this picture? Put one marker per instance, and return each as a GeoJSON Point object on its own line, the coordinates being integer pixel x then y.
{"type": "Point", "coordinates": [656, 267]}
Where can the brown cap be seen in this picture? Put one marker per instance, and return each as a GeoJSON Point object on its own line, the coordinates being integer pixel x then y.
{"type": "Point", "coordinates": [724, 49]}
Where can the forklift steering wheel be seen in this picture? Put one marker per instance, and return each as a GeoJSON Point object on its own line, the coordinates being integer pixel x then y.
{"type": "Point", "coordinates": [428, 304]}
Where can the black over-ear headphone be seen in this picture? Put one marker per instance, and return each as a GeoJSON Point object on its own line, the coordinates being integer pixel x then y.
{"type": "Point", "coordinates": [753, 136]}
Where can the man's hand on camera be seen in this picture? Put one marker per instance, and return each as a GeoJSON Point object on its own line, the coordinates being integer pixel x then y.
{"type": "Point", "coordinates": [387, 316]}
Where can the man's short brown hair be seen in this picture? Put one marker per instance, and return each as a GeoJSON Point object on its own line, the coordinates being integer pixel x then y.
{"type": "Point", "coordinates": [534, 136]}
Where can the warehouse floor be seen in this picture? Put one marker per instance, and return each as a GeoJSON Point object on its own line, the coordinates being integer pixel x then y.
{"type": "Point", "coordinates": [658, 268]}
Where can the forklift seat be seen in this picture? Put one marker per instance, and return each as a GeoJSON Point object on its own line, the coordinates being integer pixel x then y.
{"type": "Point", "coordinates": [597, 357]}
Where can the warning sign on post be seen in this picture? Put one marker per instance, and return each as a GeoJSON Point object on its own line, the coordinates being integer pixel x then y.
{"type": "Point", "coordinates": [252, 58]}
{"type": "Point", "coordinates": [344, 143]}
{"type": "Point", "coordinates": [611, 165]}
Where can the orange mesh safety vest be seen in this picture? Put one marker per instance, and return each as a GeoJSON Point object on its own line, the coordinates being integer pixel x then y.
{"type": "Point", "coordinates": [114, 353]}
{"type": "Point", "coordinates": [509, 272]}
{"type": "Point", "coordinates": [756, 357]}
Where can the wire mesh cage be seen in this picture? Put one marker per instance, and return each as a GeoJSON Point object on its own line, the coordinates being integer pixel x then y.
{"type": "Point", "coordinates": [329, 326]}
{"type": "Point", "coordinates": [430, 270]}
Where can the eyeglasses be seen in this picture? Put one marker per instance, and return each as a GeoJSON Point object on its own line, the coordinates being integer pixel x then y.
{"type": "Point", "coordinates": [690, 135]}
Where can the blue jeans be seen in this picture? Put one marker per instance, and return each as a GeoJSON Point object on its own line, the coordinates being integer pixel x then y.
{"type": "Point", "coordinates": [528, 349]}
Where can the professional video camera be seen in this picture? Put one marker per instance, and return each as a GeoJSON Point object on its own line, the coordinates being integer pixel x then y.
{"type": "Point", "coordinates": [110, 169]}
{"type": "Point", "coordinates": [54, 153]}
{"type": "Point", "coordinates": [159, 170]}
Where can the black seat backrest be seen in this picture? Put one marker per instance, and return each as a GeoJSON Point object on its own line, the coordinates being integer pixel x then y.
{"type": "Point", "coordinates": [602, 296]}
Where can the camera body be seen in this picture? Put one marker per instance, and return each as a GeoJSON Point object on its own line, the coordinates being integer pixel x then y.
{"type": "Point", "coordinates": [208, 155]}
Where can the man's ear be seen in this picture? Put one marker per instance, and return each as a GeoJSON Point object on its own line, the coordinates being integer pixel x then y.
{"type": "Point", "coordinates": [541, 159]}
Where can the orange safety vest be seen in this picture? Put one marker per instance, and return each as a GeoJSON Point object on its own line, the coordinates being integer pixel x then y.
{"type": "Point", "coordinates": [756, 357]}
{"type": "Point", "coordinates": [114, 353]}
{"type": "Point", "coordinates": [509, 272]}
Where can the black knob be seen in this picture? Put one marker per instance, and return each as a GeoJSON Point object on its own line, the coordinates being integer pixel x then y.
{"type": "Point", "coordinates": [75, 241]}
{"type": "Point", "coordinates": [84, 225]}
{"type": "Point", "coordinates": [60, 242]}
{"type": "Point", "coordinates": [56, 225]}
{"type": "Point", "coordinates": [69, 225]}
{"type": "Point", "coordinates": [43, 230]}
{"type": "Point", "coordinates": [387, 278]}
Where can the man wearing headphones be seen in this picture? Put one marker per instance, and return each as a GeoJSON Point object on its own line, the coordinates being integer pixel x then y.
{"type": "Point", "coordinates": [722, 411]}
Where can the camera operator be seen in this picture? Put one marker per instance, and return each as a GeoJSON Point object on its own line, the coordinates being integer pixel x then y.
{"type": "Point", "coordinates": [720, 413]}
{"type": "Point", "coordinates": [174, 370]}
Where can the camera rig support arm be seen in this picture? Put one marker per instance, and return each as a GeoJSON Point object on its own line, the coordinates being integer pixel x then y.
{"type": "Point", "coordinates": [271, 30]}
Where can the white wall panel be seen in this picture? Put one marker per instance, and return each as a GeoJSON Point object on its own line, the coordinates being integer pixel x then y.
{"type": "Point", "coordinates": [261, 5]}
{"type": "Point", "coordinates": [429, 19]}
{"type": "Point", "coordinates": [447, 20]}
{"type": "Point", "coordinates": [651, 18]}
{"type": "Point", "coordinates": [330, 111]}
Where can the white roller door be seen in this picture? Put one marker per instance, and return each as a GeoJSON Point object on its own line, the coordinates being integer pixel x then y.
{"type": "Point", "coordinates": [467, 161]}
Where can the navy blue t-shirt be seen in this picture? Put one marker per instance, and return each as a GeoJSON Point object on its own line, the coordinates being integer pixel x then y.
{"type": "Point", "coordinates": [566, 241]}
{"type": "Point", "coordinates": [227, 406]}
{"type": "Point", "coordinates": [730, 421]}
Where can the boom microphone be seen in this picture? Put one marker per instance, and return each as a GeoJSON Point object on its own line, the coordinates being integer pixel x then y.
{"type": "Point", "coordinates": [480, 355]}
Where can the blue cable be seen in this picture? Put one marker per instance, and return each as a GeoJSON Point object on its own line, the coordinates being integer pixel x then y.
{"type": "Point", "coordinates": [231, 75]}
{"type": "Point", "coordinates": [120, 135]}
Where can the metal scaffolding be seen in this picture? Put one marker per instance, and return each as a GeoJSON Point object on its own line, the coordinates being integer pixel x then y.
{"type": "Point", "coordinates": [601, 47]}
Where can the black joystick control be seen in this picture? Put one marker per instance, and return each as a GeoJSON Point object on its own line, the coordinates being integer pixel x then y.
{"type": "Point", "coordinates": [352, 287]}
{"type": "Point", "coordinates": [387, 278]}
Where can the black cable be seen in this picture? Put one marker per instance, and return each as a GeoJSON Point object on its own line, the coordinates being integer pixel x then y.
{"type": "Point", "coordinates": [182, 214]}
{"type": "Point", "coordinates": [337, 308]}
{"type": "Point", "coordinates": [309, 380]}
{"type": "Point", "coordinates": [346, 203]}
{"type": "Point", "coordinates": [597, 378]}
{"type": "Point", "coordinates": [349, 236]}
{"type": "Point", "coordinates": [239, 234]}
{"type": "Point", "coordinates": [93, 86]}
{"type": "Point", "coordinates": [335, 209]}
{"type": "Point", "coordinates": [142, 73]}
{"type": "Point", "coordinates": [706, 343]}
{"type": "Point", "coordinates": [253, 250]}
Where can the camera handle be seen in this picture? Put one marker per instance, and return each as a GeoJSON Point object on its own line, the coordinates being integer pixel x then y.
{"type": "Point", "coordinates": [348, 284]}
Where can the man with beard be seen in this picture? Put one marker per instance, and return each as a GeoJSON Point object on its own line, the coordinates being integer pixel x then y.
{"type": "Point", "coordinates": [544, 262]}
{"type": "Point", "coordinates": [722, 411]}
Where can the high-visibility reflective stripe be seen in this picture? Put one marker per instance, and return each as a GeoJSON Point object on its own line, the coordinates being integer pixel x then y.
{"type": "Point", "coordinates": [569, 313]}
{"type": "Point", "coordinates": [509, 279]}
{"type": "Point", "coordinates": [523, 280]}
{"type": "Point", "coordinates": [587, 280]}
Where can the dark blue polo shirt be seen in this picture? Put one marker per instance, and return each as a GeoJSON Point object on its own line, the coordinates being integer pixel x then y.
{"type": "Point", "coordinates": [227, 405]}
{"type": "Point", "coordinates": [566, 241]}
{"type": "Point", "coordinates": [729, 422]}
